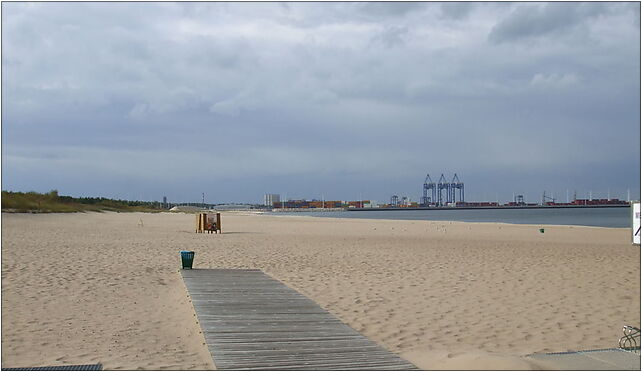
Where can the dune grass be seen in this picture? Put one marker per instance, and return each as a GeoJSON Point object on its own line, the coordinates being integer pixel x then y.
{"type": "Point", "coordinates": [51, 202]}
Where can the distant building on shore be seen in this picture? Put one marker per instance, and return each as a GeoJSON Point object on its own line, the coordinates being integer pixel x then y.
{"type": "Point", "coordinates": [320, 204]}
{"type": "Point", "coordinates": [270, 199]}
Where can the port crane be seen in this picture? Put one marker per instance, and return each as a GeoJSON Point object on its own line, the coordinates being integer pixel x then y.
{"type": "Point", "coordinates": [442, 185]}
{"type": "Point", "coordinates": [428, 185]}
{"type": "Point", "coordinates": [455, 185]}
{"type": "Point", "coordinates": [446, 192]}
{"type": "Point", "coordinates": [546, 198]}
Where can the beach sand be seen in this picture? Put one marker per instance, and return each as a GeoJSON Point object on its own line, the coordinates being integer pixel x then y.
{"type": "Point", "coordinates": [97, 287]}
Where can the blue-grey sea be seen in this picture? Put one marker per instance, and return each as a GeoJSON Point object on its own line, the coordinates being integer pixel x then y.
{"type": "Point", "coordinates": [601, 217]}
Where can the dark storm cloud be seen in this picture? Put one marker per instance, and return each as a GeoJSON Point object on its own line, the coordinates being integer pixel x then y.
{"type": "Point", "coordinates": [541, 19]}
{"type": "Point", "coordinates": [311, 98]}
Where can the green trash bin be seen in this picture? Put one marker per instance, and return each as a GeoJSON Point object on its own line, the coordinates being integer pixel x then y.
{"type": "Point", "coordinates": [541, 230]}
{"type": "Point", "coordinates": [187, 257]}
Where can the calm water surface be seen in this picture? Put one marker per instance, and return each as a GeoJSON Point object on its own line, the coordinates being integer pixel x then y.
{"type": "Point", "coordinates": [601, 217]}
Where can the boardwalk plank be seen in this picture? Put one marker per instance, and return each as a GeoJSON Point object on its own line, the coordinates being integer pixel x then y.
{"type": "Point", "coordinates": [253, 322]}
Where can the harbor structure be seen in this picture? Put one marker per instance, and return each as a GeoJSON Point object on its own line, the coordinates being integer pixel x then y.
{"type": "Point", "coordinates": [429, 185]}
{"type": "Point", "coordinates": [406, 203]}
{"type": "Point", "coordinates": [394, 201]}
{"type": "Point", "coordinates": [320, 204]}
{"type": "Point", "coordinates": [443, 192]}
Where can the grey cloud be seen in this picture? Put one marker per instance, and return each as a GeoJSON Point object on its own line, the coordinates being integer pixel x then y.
{"type": "Point", "coordinates": [387, 9]}
{"type": "Point", "coordinates": [531, 21]}
{"type": "Point", "coordinates": [391, 36]}
{"type": "Point", "coordinates": [456, 10]}
{"type": "Point", "coordinates": [313, 97]}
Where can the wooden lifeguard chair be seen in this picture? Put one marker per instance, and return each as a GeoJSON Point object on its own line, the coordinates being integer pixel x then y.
{"type": "Point", "coordinates": [208, 222]}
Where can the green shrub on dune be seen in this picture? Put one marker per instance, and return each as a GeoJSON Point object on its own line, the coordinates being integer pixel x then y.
{"type": "Point", "coordinates": [51, 202]}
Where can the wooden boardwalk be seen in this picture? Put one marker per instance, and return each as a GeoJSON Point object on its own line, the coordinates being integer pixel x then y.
{"type": "Point", "coordinates": [251, 321]}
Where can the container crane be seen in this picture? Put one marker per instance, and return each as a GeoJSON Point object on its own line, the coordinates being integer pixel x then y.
{"type": "Point", "coordinates": [443, 185]}
{"type": "Point", "coordinates": [428, 185]}
{"type": "Point", "coordinates": [545, 198]}
{"type": "Point", "coordinates": [394, 201]}
{"type": "Point", "coordinates": [455, 185]}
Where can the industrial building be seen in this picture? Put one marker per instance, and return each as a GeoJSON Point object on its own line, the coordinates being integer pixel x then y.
{"type": "Point", "coordinates": [403, 202]}
{"type": "Point", "coordinates": [312, 204]}
{"type": "Point", "coordinates": [270, 199]}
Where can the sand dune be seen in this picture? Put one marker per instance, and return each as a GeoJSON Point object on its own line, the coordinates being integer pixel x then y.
{"type": "Point", "coordinates": [87, 288]}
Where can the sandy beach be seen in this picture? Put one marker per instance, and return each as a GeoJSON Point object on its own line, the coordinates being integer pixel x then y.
{"type": "Point", "coordinates": [100, 288]}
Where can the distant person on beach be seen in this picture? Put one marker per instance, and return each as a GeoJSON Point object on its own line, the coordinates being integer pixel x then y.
{"type": "Point", "coordinates": [213, 228]}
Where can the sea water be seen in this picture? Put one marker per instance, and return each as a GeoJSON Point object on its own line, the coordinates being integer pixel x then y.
{"type": "Point", "coordinates": [600, 217]}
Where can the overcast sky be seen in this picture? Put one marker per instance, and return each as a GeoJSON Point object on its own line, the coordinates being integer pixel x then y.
{"type": "Point", "coordinates": [344, 100]}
